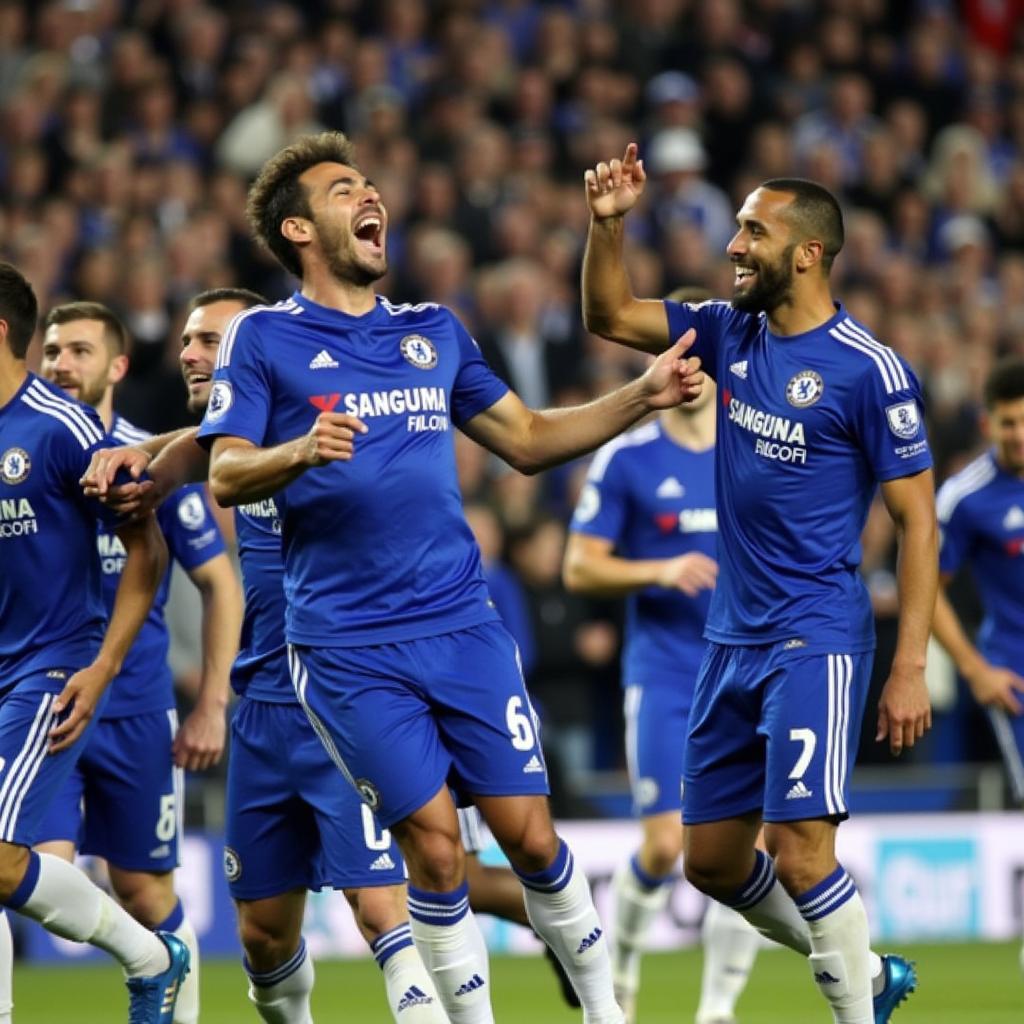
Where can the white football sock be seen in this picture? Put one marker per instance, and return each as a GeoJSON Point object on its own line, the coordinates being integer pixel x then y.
{"type": "Point", "coordinates": [730, 948]}
{"type": "Point", "coordinates": [449, 941]}
{"type": "Point", "coordinates": [281, 996]}
{"type": "Point", "coordinates": [770, 909]}
{"type": "Point", "coordinates": [561, 910]}
{"type": "Point", "coordinates": [411, 994]}
{"type": "Point", "coordinates": [840, 957]}
{"type": "Point", "coordinates": [186, 1010]}
{"type": "Point", "coordinates": [65, 902]}
{"type": "Point", "coordinates": [6, 969]}
{"type": "Point", "coordinates": [639, 898]}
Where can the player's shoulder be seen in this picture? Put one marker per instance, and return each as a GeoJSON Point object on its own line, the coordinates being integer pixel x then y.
{"type": "Point", "coordinates": [127, 433]}
{"type": "Point", "coordinates": [865, 357]}
{"type": "Point", "coordinates": [57, 415]}
{"type": "Point", "coordinates": [247, 327]}
{"type": "Point", "coordinates": [962, 488]}
{"type": "Point", "coordinates": [620, 448]}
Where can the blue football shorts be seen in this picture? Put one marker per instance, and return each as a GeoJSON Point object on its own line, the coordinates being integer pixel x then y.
{"type": "Point", "coordinates": [30, 776]}
{"type": "Point", "coordinates": [773, 729]}
{"type": "Point", "coordinates": [657, 720]}
{"type": "Point", "coordinates": [401, 720]}
{"type": "Point", "coordinates": [292, 821]}
{"type": "Point", "coordinates": [124, 798]}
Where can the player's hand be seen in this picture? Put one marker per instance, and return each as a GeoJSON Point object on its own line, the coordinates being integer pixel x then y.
{"type": "Point", "coordinates": [904, 710]}
{"type": "Point", "coordinates": [613, 188]}
{"type": "Point", "coordinates": [331, 438]}
{"type": "Point", "coordinates": [79, 699]}
{"type": "Point", "coordinates": [199, 743]}
{"type": "Point", "coordinates": [673, 378]}
{"type": "Point", "coordinates": [997, 687]}
{"type": "Point", "coordinates": [691, 573]}
{"type": "Point", "coordinates": [104, 466]}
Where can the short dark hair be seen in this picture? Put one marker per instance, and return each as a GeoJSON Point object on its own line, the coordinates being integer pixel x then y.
{"type": "Point", "coordinates": [243, 296]}
{"type": "Point", "coordinates": [277, 193]}
{"type": "Point", "coordinates": [1005, 382]}
{"type": "Point", "coordinates": [813, 213]}
{"type": "Point", "coordinates": [114, 332]}
{"type": "Point", "coordinates": [18, 309]}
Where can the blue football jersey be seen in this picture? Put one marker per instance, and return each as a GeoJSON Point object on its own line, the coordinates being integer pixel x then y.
{"type": "Point", "coordinates": [261, 669]}
{"type": "Point", "coordinates": [375, 549]}
{"type": "Point", "coordinates": [51, 598]}
{"type": "Point", "coordinates": [808, 425]}
{"type": "Point", "coordinates": [654, 499]}
{"type": "Point", "coordinates": [981, 513]}
{"type": "Point", "coordinates": [145, 682]}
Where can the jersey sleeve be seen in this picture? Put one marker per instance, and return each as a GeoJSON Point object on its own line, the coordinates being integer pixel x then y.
{"type": "Point", "coordinates": [889, 419]}
{"type": "Point", "coordinates": [188, 526]}
{"type": "Point", "coordinates": [603, 503]}
{"type": "Point", "coordinates": [709, 319]}
{"type": "Point", "coordinates": [954, 528]}
{"type": "Point", "coordinates": [477, 387]}
{"type": "Point", "coordinates": [240, 397]}
{"type": "Point", "coordinates": [70, 457]}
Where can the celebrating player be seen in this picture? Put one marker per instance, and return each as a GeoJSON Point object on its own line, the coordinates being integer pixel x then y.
{"type": "Point", "coordinates": [125, 793]}
{"type": "Point", "coordinates": [981, 510]}
{"type": "Point", "coordinates": [56, 660]}
{"type": "Point", "coordinates": [397, 654]}
{"type": "Point", "coordinates": [645, 527]}
{"type": "Point", "coordinates": [813, 414]}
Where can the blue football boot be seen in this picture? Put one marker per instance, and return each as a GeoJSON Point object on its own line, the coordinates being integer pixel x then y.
{"type": "Point", "coordinates": [900, 981]}
{"type": "Point", "coordinates": [151, 998]}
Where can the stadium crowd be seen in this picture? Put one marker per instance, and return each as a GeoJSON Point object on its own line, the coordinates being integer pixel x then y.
{"type": "Point", "coordinates": [129, 133]}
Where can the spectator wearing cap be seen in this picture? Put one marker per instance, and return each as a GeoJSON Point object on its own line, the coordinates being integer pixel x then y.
{"type": "Point", "coordinates": [676, 160]}
{"type": "Point", "coordinates": [673, 99]}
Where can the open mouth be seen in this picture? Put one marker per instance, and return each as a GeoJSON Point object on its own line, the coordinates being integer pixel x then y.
{"type": "Point", "coordinates": [196, 380]}
{"type": "Point", "coordinates": [369, 233]}
{"type": "Point", "coordinates": [744, 275]}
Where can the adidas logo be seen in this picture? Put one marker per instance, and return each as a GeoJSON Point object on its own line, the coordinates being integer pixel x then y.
{"type": "Point", "coordinates": [160, 851]}
{"type": "Point", "coordinates": [740, 369]}
{"type": "Point", "coordinates": [533, 765]}
{"type": "Point", "coordinates": [1014, 518]}
{"type": "Point", "coordinates": [414, 996]}
{"type": "Point", "coordinates": [799, 791]}
{"type": "Point", "coordinates": [322, 361]}
{"type": "Point", "coordinates": [590, 940]}
{"type": "Point", "coordinates": [383, 863]}
{"type": "Point", "coordinates": [470, 986]}
{"type": "Point", "coordinates": [170, 994]}
{"type": "Point", "coordinates": [670, 487]}
{"type": "Point", "coordinates": [824, 978]}
{"type": "Point", "coordinates": [792, 645]}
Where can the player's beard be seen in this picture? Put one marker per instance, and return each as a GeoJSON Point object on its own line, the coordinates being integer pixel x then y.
{"type": "Point", "coordinates": [90, 392]}
{"type": "Point", "coordinates": [343, 259]}
{"type": "Point", "coordinates": [772, 287]}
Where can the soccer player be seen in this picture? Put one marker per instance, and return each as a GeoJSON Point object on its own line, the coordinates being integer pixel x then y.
{"type": "Point", "coordinates": [645, 527]}
{"type": "Point", "coordinates": [981, 511]}
{"type": "Point", "coordinates": [56, 660]}
{"type": "Point", "coordinates": [123, 799]}
{"type": "Point", "coordinates": [813, 414]}
{"type": "Point", "coordinates": [346, 402]}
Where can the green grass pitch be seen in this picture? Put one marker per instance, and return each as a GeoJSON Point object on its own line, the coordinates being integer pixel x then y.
{"type": "Point", "coordinates": [960, 984]}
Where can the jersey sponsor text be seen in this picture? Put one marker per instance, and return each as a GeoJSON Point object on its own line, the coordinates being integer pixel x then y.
{"type": "Point", "coordinates": [17, 518]}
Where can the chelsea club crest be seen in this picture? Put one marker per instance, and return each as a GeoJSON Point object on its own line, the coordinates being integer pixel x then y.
{"type": "Point", "coordinates": [804, 389]}
{"type": "Point", "coordinates": [15, 465]}
{"type": "Point", "coordinates": [419, 351]}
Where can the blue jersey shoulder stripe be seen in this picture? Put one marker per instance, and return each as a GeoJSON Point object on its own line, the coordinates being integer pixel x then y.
{"type": "Point", "coordinates": [228, 341]}
{"type": "Point", "coordinates": [128, 433]}
{"type": "Point", "coordinates": [970, 479]}
{"type": "Point", "coordinates": [85, 432]}
{"type": "Point", "coordinates": [642, 435]}
{"type": "Point", "coordinates": [72, 408]}
{"type": "Point", "coordinates": [889, 367]}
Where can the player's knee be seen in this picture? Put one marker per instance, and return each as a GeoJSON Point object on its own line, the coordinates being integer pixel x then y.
{"type": "Point", "coordinates": [661, 850]}
{"type": "Point", "coordinates": [265, 945]}
{"type": "Point", "coordinates": [378, 909]}
{"type": "Point", "coordinates": [150, 899]}
{"type": "Point", "coordinates": [436, 862]}
{"type": "Point", "coordinates": [13, 865]}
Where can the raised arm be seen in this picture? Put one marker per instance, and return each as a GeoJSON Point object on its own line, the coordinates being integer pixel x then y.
{"type": "Point", "coordinates": [145, 562]}
{"type": "Point", "coordinates": [592, 567]}
{"type": "Point", "coordinates": [531, 440]}
{"type": "Point", "coordinates": [240, 472]}
{"type": "Point", "coordinates": [990, 684]}
{"type": "Point", "coordinates": [200, 740]}
{"type": "Point", "coordinates": [609, 306]}
{"type": "Point", "coordinates": [904, 710]}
